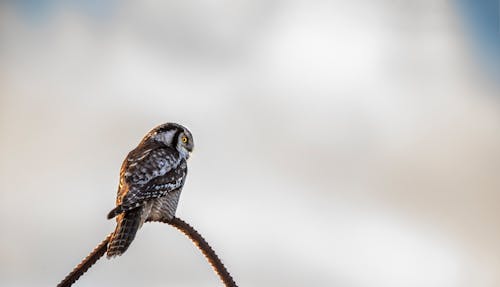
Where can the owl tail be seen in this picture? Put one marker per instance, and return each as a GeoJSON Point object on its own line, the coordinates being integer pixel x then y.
{"type": "Point", "coordinates": [125, 231]}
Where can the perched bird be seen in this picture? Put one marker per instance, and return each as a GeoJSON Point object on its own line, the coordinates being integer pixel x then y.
{"type": "Point", "coordinates": [151, 179]}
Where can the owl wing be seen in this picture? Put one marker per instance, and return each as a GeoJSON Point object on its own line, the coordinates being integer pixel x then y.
{"type": "Point", "coordinates": [143, 166]}
{"type": "Point", "coordinates": [146, 174]}
{"type": "Point", "coordinates": [170, 181]}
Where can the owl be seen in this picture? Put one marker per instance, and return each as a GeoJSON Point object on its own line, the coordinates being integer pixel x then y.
{"type": "Point", "coordinates": [151, 180]}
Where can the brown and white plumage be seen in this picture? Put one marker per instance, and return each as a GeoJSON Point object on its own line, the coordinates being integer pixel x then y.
{"type": "Point", "coordinates": [151, 179]}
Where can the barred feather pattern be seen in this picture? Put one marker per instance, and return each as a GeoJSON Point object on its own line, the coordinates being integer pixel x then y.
{"type": "Point", "coordinates": [128, 224]}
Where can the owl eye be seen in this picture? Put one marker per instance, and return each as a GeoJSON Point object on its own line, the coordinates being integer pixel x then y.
{"type": "Point", "coordinates": [184, 139]}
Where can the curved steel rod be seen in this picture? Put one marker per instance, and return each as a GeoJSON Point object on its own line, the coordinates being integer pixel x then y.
{"type": "Point", "coordinates": [176, 222]}
{"type": "Point", "coordinates": [86, 263]}
{"type": "Point", "coordinates": [205, 248]}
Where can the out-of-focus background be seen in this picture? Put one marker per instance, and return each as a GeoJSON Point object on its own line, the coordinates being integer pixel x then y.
{"type": "Point", "coordinates": [338, 143]}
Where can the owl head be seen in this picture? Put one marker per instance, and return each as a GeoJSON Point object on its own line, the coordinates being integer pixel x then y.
{"type": "Point", "coordinates": [172, 135]}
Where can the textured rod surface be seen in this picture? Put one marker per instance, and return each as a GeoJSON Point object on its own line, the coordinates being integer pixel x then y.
{"type": "Point", "coordinates": [203, 245]}
{"type": "Point", "coordinates": [86, 263]}
{"type": "Point", "coordinates": [176, 222]}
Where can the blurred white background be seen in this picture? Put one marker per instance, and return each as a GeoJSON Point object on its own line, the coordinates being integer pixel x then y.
{"type": "Point", "coordinates": [338, 143]}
